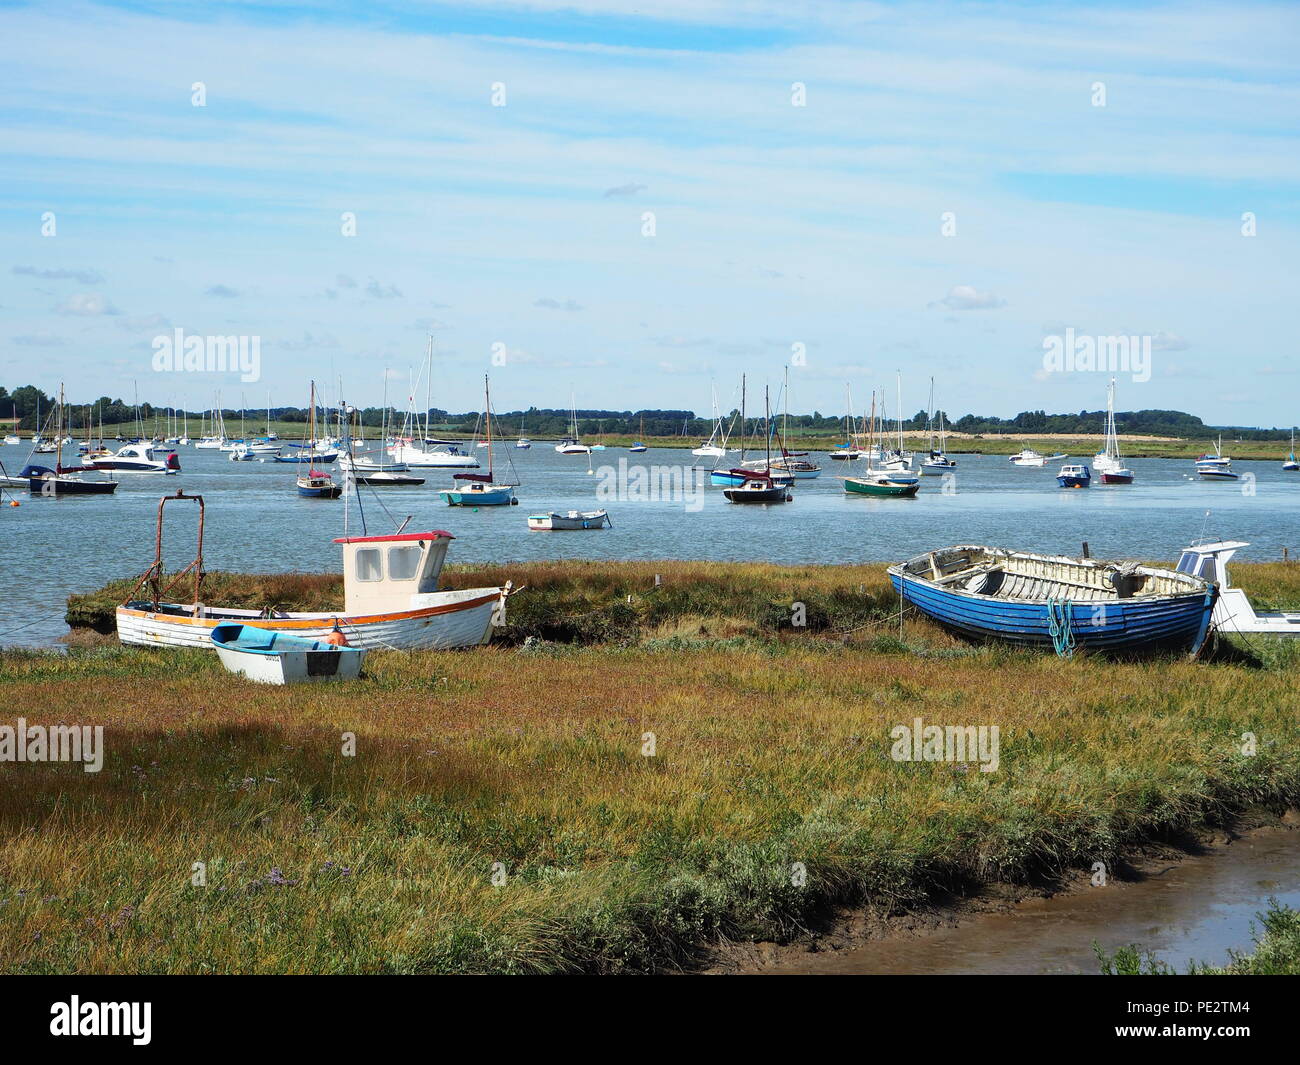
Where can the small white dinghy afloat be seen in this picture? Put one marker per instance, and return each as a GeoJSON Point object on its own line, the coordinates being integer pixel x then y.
{"type": "Point", "coordinates": [270, 657]}
{"type": "Point", "coordinates": [573, 520]}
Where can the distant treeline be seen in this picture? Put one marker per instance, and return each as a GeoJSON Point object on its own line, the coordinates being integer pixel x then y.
{"type": "Point", "coordinates": [551, 422]}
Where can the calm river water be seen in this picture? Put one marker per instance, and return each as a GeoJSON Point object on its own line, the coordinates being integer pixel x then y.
{"type": "Point", "coordinates": [256, 521]}
{"type": "Point", "coordinates": [1195, 910]}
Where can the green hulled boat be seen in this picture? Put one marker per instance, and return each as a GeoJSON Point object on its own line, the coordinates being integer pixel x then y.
{"type": "Point", "coordinates": [878, 485]}
{"type": "Point", "coordinates": [879, 482]}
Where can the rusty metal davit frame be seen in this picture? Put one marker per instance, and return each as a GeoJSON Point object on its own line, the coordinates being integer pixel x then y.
{"type": "Point", "coordinates": [153, 577]}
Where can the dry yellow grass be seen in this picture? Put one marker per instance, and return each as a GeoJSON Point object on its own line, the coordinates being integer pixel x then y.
{"type": "Point", "coordinates": [528, 764]}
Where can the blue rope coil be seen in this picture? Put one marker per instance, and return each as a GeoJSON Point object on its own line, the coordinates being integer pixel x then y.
{"type": "Point", "coordinates": [1059, 622]}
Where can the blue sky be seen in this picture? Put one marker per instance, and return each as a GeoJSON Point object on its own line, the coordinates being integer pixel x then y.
{"type": "Point", "coordinates": [775, 225]}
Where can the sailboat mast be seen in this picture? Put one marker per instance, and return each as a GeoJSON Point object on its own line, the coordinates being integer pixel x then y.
{"type": "Point", "coordinates": [743, 437]}
{"type": "Point", "coordinates": [898, 378]}
{"type": "Point", "coordinates": [311, 429]}
{"type": "Point", "coordinates": [871, 431]}
{"type": "Point", "coordinates": [930, 419]}
{"type": "Point", "coordinates": [58, 434]}
{"type": "Point", "coordinates": [785, 420]}
{"type": "Point", "coordinates": [767, 428]}
{"type": "Point", "coordinates": [487, 415]}
{"type": "Point", "coordinates": [428, 391]}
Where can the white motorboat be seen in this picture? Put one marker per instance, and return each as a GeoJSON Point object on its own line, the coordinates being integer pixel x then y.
{"type": "Point", "coordinates": [1215, 473]}
{"type": "Point", "coordinates": [1233, 611]}
{"type": "Point", "coordinates": [136, 458]}
{"type": "Point", "coordinates": [1215, 457]}
{"type": "Point", "coordinates": [437, 457]}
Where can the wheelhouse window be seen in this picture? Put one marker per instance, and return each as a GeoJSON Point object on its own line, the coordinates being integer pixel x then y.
{"type": "Point", "coordinates": [403, 563]}
{"type": "Point", "coordinates": [370, 566]}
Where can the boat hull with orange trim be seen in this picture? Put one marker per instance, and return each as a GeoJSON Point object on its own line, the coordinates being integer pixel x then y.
{"type": "Point", "coordinates": [437, 620]}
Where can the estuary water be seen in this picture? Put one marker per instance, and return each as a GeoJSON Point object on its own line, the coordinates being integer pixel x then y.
{"type": "Point", "coordinates": [1195, 910]}
{"type": "Point", "coordinates": [256, 522]}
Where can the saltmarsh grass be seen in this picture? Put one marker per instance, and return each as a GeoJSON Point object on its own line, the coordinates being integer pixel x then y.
{"type": "Point", "coordinates": [587, 602]}
{"type": "Point", "coordinates": [771, 792]}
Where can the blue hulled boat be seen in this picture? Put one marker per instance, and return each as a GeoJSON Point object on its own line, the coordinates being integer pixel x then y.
{"type": "Point", "coordinates": [1074, 476]}
{"type": "Point", "coordinates": [318, 484]}
{"type": "Point", "coordinates": [735, 478]}
{"type": "Point", "coordinates": [482, 489]}
{"type": "Point", "coordinates": [478, 490]}
{"type": "Point", "coordinates": [1052, 601]}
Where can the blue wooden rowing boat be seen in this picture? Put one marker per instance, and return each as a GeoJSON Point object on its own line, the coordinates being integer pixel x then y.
{"type": "Point", "coordinates": [1056, 602]}
{"type": "Point", "coordinates": [272, 657]}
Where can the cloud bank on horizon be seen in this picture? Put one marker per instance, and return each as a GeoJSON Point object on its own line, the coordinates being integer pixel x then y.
{"type": "Point", "coordinates": [632, 202]}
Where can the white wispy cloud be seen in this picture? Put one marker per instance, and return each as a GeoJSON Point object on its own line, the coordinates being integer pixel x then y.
{"type": "Point", "coordinates": [86, 305]}
{"type": "Point", "coordinates": [1064, 211]}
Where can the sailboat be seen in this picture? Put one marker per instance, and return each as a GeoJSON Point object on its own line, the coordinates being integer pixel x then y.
{"type": "Point", "coordinates": [523, 443]}
{"type": "Point", "coordinates": [427, 453]}
{"type": "Point", "coordinates": [794, 463]}
{"type": "Point", "coordinates": [98, 450]}
{"type": "Point", "coordinates": [571, 445]}
{"type": "Point", "coordinates": [481, 490]}
{"type": "Point", "coordinates": [874, 482]}
{"type": "Point", "coordinates": [64, 480]}
{"type": "Point", "coordinates": [1291, 465]}
{"type": "Point", "coordinates": [737, 475]}
{"type": "Point", "coordinates": [638, 447]}
{"type": "Point", "coordinates": [759, 486]}
{"type": "Point", "coordinates": [265, 446]}
{"type": "Point", "coordinates": [937, 461]}
{"type": "Point", "coordinates": [849, 450]}
{"type": "Point", "coordinates": [13, 437]}
{"type": "Point", "coordinates": [363, 468]}
{"type": "Point", "coordinates": [316, 484]}
{"type": "Point", "coordinates": [1107, 461]}
{"type": "Point", "coordinates": [215, 440]}
{"type": "Point", "coordinates": [712, 449]}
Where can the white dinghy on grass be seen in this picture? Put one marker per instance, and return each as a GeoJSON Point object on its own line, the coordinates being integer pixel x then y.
{"type": "Point", "coordinates": [270, 657]}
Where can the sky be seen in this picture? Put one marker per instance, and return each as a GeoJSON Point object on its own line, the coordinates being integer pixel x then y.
{"type": "Point", "coordinates": [628, 205]}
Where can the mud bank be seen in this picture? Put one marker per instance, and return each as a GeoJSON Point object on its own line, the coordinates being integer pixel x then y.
{"type": "Point", "coordinates": [1193, 899]}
